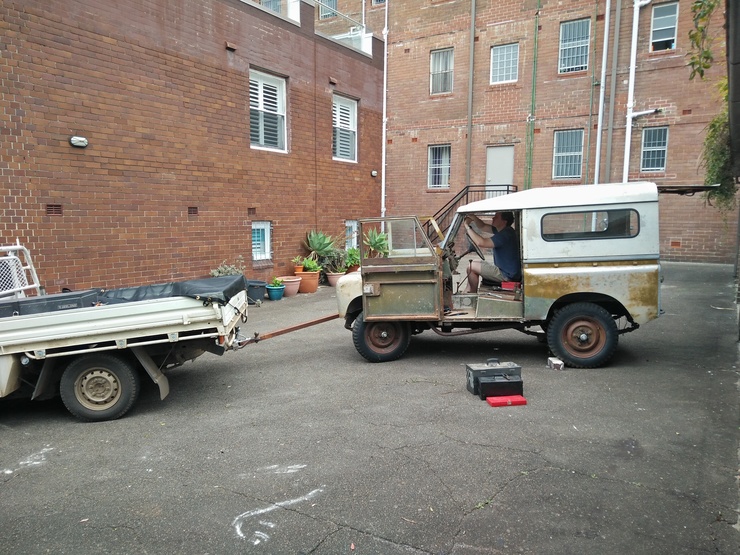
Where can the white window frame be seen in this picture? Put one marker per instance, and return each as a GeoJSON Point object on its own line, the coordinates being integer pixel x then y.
{"type": "Point", "coordinates": [660, 25]}
{"type": "Point", "coordinates": [567, 154]}
{"type": "Point", "coordinates": [260, 252]}
{"type": "Point", "coordinates": [344, 129]}
{"type": "Point", "coordinates": [439, 171]}
{"type": "Point", "coordinates": [651, 148]}
{"type": "Point", "coordinates": [267, 98]}
{"type": "Point", "coordinates": [441, 70]}
{"type": "Point", "coordinates": [378, 2]}
{"type": "Point", "coordinates": [574, 50]}
{"type": "Point", "coordinates": [351, 228]}
{"type": "Point", "coordinates": [327, 9]}
{"type": "Point", "coordinates": [505, 63]}
{"type": "Point", "coordinates": [272, 4]}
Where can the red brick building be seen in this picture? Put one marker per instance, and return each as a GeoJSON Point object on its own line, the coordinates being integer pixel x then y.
{"type": "Point", "coordinates": [210, 134]}
{"type": "Point", "coordinates": [532, 114]}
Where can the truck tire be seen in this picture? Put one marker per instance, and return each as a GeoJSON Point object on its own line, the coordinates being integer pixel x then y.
{"type": "Point", "coordinates": [99, 387]}
{"type": "Point", "coordinates": [583, 335]}
{"type": "Point", "coordinates": [380, 341]}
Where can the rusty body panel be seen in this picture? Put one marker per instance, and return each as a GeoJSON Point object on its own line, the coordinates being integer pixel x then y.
{"type": "Point", "coordinates": [633, 284]}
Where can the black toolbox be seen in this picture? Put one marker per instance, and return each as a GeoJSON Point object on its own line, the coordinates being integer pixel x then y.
{"type": "Point", "coordinates": [510, 372]}
{"type": "Point", "coordinates": [57, 301]}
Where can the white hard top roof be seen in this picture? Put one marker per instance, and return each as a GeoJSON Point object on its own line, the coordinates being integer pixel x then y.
{"type": "Point", "coordinates": [570, 195]}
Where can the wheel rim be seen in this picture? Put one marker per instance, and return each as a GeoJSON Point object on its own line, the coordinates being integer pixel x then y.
{"type": "Point", "coordinates": [384, 337]}
{"type": "Point", "coordinates": [97, 389]}
{"type": "Point", "coordinates": [584, 337]}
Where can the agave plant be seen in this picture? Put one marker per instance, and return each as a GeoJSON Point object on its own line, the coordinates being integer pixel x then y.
{"type": "Point", "coordinates": [376, 242]}
{"type": "Point", "coordinates": [318, 244]}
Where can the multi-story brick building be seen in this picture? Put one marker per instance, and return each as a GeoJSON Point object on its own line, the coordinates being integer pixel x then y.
{"type": "Point", "coordinates": [527, 95]}
{"type": "Point", "coordinates": [214, 128]}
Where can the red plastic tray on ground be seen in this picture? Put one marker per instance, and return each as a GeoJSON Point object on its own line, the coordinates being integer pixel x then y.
{"type": "Point", "coordinates": [506, 401]}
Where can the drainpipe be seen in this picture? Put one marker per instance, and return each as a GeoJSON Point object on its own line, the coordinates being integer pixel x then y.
{"type": "Point", "coordinates": [613, 89]}
{"type": "Point", "coordinates": [469, 153]}
{"type": "Point", "coordinates": [631, 93]}
{"type": "Point", "coordinates": [602, 91]}
{"type": "Point", "coordinates": [385, 111]}
{"type": "Point", "coordinates": [529, 139]}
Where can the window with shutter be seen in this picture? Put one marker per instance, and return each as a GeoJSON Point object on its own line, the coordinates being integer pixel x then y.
{"type": "Point", "coordinates": [266, 111]}
{"type": "Point", "coordinates": [344, 140]}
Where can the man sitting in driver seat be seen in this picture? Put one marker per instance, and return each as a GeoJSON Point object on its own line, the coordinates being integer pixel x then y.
{"type": "Point", "coordinates": [500, 237]}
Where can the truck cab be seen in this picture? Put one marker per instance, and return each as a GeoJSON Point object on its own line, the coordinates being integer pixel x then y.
{"type": "Point", "coordinates": [590, 272]}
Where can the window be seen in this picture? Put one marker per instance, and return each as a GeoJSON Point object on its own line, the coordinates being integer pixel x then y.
{"type": "Point", "coordinates": [266, 111]}
{"type": "Point", "coordinates": [327, 9]}
{"type": "Point", "coordinates": [568, 154]}
{"type": "Point", "coordinates": [261, 241]}
{"type": "Point", "coordinates": [350, 234]}
{"type": "Point", "coordinates": [603, 224]}
{"type": "Point", "coordinates": [505, 63]}
{"type": "Point", "coordinates": [574, 39]}
{"type": "Point", "coordinates": [440, 71]}
{"type": "Point", "coordinates": [654, 148]}
{"type": "Point", "coordinates": [273, 5]}
{"type": "Point", "coordinates": [439, 166]}
{"type": "Point", "coordinates": [344, 138]}
{"type": "Point", "coordinates": [663, 33]}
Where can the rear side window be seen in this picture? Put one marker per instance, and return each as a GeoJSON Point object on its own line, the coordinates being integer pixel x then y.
{"type": "Point", "coordinates": [597, 224]}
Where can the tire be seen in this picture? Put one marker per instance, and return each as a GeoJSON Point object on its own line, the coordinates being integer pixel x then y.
{"type": "Point", "coordinates": [380, 341]}
{"type": "Point", "coordinates": [99, 387]}
{"type": "Point", "coordinates": [583, 335]}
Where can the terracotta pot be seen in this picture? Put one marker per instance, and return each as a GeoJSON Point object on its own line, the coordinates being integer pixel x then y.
{"type": "Point", "coordinates": [292, 283]}
{"type": "Point", "coordinates": [333, 277]}
{"type": "Point", "coordinates": [297, 269]}
{"type": "Point", "coordinates": [353, 268]}
{"type": "Point", "coordinates": [309, 282]}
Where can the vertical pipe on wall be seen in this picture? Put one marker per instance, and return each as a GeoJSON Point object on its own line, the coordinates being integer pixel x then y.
{"type": "Point", "coordinates": [591, 96]}
{"type": "Point", "coordinates": [385, 111]}
{"type": "Point", "coordinates": [613, 90]}
{"type": "Point", "coordinates": [600, 122]}
{"type": "Point", "coordinates": [631, 87]}
{"type": "Point", "coordinates": [529, 140]}
{"type": "Point", "coordinates": [471, 62]}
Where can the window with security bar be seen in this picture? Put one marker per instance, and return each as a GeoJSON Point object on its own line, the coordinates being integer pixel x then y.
{"type": "Point", "coordinates": [327, 9]}
{"type": "Point", "coordinates": [274, 5]}
{"type": "Point", "coordinates": [574, 40]}
{"type": "Point", "coordinates": [441, 67]}
{"type": "Point", "coordinates": [439, 166]}
{"type": "Point", "coordinates": [261, 240]}
{"type": "Point", "coordinates": [654, 149]}
{"type": "Point", "coordinates": [266, 111]}
{"type": "Point", "coordinates": [344, 138]}
{"type": "Point", "coordinates": [505, 63]}
{"type": "Point", "coordinates": [663, 27]}
{"type": "Point", "coordinates": [350, 234]}
{"type": "Point", "coordinates": [567, 154]}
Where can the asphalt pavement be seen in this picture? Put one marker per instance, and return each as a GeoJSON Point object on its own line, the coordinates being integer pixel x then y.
{"type": "Point", "coordinates": [296, 445]}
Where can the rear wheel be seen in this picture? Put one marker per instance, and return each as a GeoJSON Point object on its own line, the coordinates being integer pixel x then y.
{"type": "Point", "coordinates": [583, 335]}
{"type": "Point", "coordinates": [99, 387]}
{"type": "Point", "coordinates": [380, 341]}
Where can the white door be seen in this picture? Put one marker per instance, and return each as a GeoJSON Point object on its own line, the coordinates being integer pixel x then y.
{"type": "Point", "coordinates": [499, 169]}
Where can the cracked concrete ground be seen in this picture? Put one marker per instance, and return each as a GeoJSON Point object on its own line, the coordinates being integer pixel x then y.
{"type": "Point", "coordinates": [297, 445]}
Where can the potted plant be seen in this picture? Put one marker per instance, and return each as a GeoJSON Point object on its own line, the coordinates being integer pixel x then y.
{"type": "Point", "coordinates": [319, 245]}
{"type": "Point", "coordinates": [376, 243]}
{"type": "Point", "coordinates": [309, 276]}
{"type": "Point", "coordinates": [353, 259]}
{"type": "Point", "coordinates": [292, 284]}
{"type": "Point", "coordinates": [275, 289]}
{"type": "Point", "coordinates": [297, 264]}
{"type": "Point", "coordinates": [335, 265]}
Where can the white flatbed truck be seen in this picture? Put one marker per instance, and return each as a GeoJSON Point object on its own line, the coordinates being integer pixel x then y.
{"type": "Point", "coordinates": [89, 346]}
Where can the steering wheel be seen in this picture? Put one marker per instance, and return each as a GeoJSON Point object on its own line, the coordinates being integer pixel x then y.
{"type": "Point", "coordinates": [472, 244]}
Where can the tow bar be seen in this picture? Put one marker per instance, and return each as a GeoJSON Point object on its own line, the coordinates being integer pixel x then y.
{"type": "Point", "coordinates": [260, 337]}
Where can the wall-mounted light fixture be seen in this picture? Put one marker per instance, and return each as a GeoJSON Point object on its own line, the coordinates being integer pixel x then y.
{"type": "Point", "coordinates": [79, 142]}
{"type": "Point", "coordinates": [374, 173]}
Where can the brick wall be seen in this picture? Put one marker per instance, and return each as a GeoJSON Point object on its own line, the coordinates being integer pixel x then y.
{"type": "Point", "coordinates": [499, 114]}
{"type": "Point", "coordinates": [165, 107]}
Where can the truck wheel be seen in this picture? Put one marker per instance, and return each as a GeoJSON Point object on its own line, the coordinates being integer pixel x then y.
{"type": "Point", "coordinates": [99, 387]}
{"type": "Point", "coordinates": [380, 341]}
{"type": "Point", "coordinates": [583, 335]}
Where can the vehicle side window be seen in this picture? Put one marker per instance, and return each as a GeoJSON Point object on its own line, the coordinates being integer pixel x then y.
{"type": "Point", "coordinates": [601, 224]}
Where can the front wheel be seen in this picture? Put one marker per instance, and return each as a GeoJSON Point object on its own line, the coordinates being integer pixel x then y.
{"type": "Point", "coordinates": [380, 341]}
{"type": "Point", "coordinates": [99, 387]}
{"type": "Point", "coordinates": [583, 335]}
